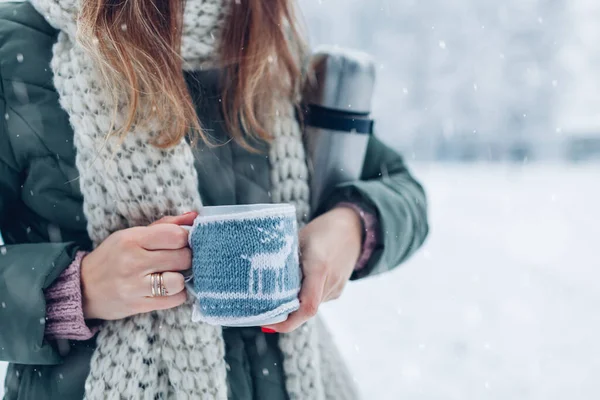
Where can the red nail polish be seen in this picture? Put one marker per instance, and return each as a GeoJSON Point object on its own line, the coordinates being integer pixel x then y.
{"type": "Point", "coordinates": [267, 330]}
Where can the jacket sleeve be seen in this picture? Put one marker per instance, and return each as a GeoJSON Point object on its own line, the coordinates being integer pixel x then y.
{"type": "Point", "coordinates": [25, 271]}
{"type": "Point", "coordinates": [389, 190]}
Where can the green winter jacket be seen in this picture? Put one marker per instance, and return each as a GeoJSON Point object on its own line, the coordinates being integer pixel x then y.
{"type": "Point", "coordinates": [42, 221]}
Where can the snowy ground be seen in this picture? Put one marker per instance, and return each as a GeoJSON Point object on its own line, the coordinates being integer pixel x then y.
{"type": "Point", "coordinates": [500, 304]}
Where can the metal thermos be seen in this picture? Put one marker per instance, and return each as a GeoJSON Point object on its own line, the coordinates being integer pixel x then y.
{"type": "Point", "coordinates": [337, 100]}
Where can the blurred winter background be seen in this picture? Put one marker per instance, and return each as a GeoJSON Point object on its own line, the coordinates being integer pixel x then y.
{"type": "Point", "coordinates": [496, 106]}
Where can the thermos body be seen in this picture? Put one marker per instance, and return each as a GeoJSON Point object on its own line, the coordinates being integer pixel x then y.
{"type": "Point", "coordinates": [337, 101]}
{"type": "Point", "coordinates": [334, 158]}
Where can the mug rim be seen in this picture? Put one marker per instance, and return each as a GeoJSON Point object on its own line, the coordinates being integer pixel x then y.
{"type": "Point", "coordinates": [243, 212]}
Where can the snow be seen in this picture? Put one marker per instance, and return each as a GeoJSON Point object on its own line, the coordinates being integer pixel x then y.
{"type": "Point", "coordinates": [499, 304]}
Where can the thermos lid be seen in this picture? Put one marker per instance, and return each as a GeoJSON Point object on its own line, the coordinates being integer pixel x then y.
{"type": "Point", "coordinates": [341, 79]}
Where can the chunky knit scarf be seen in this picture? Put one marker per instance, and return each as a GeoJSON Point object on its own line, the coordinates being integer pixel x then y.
{"type": "Point", "coordinates": [164, 355]}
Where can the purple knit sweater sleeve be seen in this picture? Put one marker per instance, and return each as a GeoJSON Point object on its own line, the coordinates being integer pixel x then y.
{"type": "Point", "coordinates": [64, 309]}
{"type": "Point", "coordinates": [371, 227]}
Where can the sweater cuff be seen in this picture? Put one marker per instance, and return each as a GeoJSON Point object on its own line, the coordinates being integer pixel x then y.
{"type": "Point", "coordinates": [64, 309]}
{"type": "Point", "coordinates": [370, 226]}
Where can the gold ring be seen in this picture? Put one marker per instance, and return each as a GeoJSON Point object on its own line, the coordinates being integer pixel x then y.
{"type": "Point", "coordinates": [158, 284]}
{"type": "Point", "coordinates": [152, 281]}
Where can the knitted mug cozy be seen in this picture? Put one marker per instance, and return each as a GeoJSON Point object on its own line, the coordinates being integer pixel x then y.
{"type": "Point", "coordinates": [245, 264]}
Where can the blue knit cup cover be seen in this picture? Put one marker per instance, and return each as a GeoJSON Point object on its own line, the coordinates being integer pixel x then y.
{"type": "Point", "coordinates": [245, 264]}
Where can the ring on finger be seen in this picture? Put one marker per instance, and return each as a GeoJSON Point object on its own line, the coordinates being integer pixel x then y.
{"type": "Point", "coordinates": [153, 284]}
{"type": "Point", "coordinates": [158, 284]}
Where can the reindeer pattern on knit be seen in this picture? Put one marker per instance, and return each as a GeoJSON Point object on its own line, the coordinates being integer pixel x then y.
{"type": "Point", "coordinates": [246, 268]}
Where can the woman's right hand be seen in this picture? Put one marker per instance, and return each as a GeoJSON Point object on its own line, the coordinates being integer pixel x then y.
{"type": "Point", "coordinates": [115, 277]}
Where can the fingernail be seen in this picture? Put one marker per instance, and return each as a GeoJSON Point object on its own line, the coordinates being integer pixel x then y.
{"type": "Point", "coordinates": [268, 330]}
{"type": "Point", "coordinates": [189, 212]}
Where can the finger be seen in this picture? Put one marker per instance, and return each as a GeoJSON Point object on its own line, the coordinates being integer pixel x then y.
{"type": "Point", "coordinates": [163, 237]}
{"type": "Point", "coordinates": [168, 260]}
{"type": "Point", "coordinates": [310, 297]}
{"type": "Point", "coordinates": [185, 219]}
{"type": "Point", "coordinates": [165, 303]}
{"type": "Point", "coordinates": [173, 282]}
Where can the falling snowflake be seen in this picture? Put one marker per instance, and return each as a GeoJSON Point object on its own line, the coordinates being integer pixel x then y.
{"type": "Point", "coordinates": [20, 57]}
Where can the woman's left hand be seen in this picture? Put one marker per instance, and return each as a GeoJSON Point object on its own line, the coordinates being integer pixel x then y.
{"type": "Point", "coordinates": [329, 249]}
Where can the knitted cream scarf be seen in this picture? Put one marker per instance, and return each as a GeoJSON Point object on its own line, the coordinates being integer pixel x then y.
{"type": "Point", "coordinates": [163, 355]}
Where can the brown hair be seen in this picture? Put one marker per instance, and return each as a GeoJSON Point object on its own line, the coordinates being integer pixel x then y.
{"type": "Point", "coordinates": [137, 44]}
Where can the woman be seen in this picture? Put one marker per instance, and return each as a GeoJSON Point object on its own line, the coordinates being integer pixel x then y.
{"type": "Point", "coordinates": [96, 175]}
